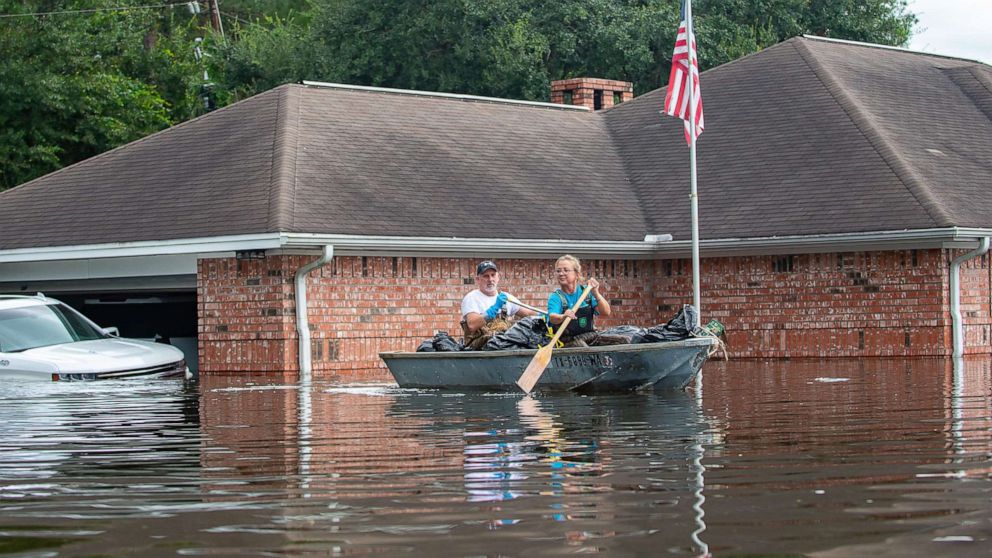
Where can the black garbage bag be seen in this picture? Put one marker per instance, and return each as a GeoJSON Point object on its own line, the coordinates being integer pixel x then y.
{"type": "Point", "coordinates": [626, 334]}
{"type": "Point", "coordinates": [444, 343]}
{"type": "Point", "coordinates": [679, 327]}
{"type": "Point", "coordinates": [528, 333]}
{"type": "Point", "coordinates": [441, 343]}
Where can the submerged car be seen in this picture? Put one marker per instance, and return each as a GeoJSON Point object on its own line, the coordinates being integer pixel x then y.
{"type": "Point", "coordinates": [42, 338]}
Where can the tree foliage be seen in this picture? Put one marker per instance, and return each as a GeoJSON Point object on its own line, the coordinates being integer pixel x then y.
{"type": "Point", "coordinates": [73, 85]}
{"type": "Point", "coordinates": [514, 48]}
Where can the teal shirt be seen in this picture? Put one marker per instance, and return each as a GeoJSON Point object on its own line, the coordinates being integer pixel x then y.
{"type": "Point", "coordinates": [554, 301]}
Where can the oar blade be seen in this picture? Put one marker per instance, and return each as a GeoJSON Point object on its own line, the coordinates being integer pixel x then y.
{"type": "Point", "coordinates": [535, 369]}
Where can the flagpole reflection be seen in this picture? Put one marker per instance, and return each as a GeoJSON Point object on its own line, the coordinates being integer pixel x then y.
{"type": "Point", "coordinates": [699, 474]}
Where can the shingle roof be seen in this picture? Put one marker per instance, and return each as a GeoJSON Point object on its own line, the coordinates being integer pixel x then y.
{"type": "Point", "coordinates": [411, 165]}
{"type": "Point", "coordinates": [815, 137]}
{"type": "Point", "coordinates": [806, 137]}
{"type": "Point", "coordinates": [330, 160]}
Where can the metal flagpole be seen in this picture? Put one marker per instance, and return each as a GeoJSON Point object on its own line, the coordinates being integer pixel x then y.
{"type": "Point", "coordinates": [693, 197]}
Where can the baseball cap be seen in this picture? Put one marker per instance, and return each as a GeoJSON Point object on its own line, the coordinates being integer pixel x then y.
{"type": "Point", "coordinates": [484, 267]}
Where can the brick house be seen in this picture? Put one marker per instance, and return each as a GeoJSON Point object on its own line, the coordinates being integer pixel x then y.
{"type": "Point", "coordinates": [841, 185]}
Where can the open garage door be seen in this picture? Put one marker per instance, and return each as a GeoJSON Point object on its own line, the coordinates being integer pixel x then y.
{"type": "Point", "coordinates": [146, 297]}
{"type": "Point", "coordinates": [166, 317]}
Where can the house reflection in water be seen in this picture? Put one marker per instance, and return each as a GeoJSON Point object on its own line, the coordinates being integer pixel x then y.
{"type": "Point", "coordinates": [395, 461]}
{"type": "Point", "coordinates": [773, 447]}
{"type": "Point", "coordinates": [256, 430]}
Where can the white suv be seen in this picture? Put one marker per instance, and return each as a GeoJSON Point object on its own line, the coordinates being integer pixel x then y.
{"type": "Point", "coordinates": [44, 339]}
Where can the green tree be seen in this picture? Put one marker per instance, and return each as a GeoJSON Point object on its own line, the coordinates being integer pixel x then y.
{"type": "Point", "coordinates": [75, 84]}
{"type": "Point", "coordinates": [499, 48]}
{"type": "Point", "coordinates": [262, 54]}
{"type": "Point", "coordinates": [766, 22]}
{"type": "Point", "coordinates": [514, 48]}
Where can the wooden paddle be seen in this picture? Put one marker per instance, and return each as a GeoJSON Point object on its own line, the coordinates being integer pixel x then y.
{"type": "Point", "coordinates": [516, 301]}
{"type": "Point", "coordinates": [543, 357]}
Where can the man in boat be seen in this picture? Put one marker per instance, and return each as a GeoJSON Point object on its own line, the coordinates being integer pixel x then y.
{"type": "Point", "coordinates": [486, 311]}
{"type": "Point", "coordinates": [581, 330]}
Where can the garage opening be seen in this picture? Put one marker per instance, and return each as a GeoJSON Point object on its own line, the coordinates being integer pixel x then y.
{"type": "Point", "coordinates": [165, 317]}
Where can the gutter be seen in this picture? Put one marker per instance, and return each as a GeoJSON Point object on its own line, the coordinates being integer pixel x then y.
{"type": "Point", "coordinates": [653, 246]}
{"type": "Point", "coordinates": [302, 320]}
{"type": "Point", "coordinates": [957, 327]}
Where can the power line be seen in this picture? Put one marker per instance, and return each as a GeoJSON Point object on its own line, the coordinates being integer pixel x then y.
{"type": "Point", "coordinates": [235, 16]}
{"type": "Point", "coordinates": [94, 10]}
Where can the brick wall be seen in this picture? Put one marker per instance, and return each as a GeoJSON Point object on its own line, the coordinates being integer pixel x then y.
{"type": "Point", "coordinates": [829, 305]}
{"type": "Point", "coordinates": [821, 305]}
{"type": "Point", "coordinates": [246, 316]}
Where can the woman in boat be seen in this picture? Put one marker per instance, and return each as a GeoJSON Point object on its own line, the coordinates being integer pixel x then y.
{"type": "Point", "coordinates": [581, 330]}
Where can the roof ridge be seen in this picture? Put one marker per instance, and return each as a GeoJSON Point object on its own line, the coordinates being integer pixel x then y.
{"type": "Point", "coordinates": [441, 95]}
{"type": "Point", "coordinates": [716, 69]}
{"type": "Point", "coordinates": [890, 47]}
{"type": "Point", "coordinates": [981, 78]}
{"type": "Point", "coordinates": [862, 120]}
{"type": "Point", "coordinates": [282, 173]}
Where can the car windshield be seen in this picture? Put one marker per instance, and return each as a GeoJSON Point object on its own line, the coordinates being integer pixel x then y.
{"type": "Point", "coordinates": [29, 327]}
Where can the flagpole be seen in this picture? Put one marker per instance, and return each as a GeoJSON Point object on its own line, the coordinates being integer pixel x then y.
{"type": "Point", "coordinates": [693, 197]}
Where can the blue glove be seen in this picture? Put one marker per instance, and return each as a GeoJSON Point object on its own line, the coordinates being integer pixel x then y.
{"type": "Point", "coordinates": [495, 308]}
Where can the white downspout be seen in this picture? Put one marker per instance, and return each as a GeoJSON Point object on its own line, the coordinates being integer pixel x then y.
{"type": "Point", "coordinates": [302, 323]}
{"type": "Point", "coordinates": [956, 323]}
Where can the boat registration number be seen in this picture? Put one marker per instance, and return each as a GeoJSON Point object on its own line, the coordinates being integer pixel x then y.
{"type": "Point", "coordinates": [571, 361]}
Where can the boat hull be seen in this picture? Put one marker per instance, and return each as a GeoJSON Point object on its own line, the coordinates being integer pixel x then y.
{"type": "Point", "coordinates": [664, 365]}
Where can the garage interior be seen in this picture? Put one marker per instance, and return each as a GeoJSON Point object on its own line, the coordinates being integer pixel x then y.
{"type": "Point", "coordinates": [164, 315]}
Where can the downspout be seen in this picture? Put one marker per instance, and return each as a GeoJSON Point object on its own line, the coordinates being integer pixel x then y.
{"type": "Point", "coordinates": [956, 324]}
{"type": "Point", "coordinates": [302, 323]}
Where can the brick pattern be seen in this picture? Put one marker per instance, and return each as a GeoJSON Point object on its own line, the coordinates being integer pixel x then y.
{"type": "Point", "coordinates": [976, 303]}
{"type": "Point", "coordinates": [854, 304]}
{"type": "Point", "coordinates": [246, 316]}
{"type": "Point", "coordinates": [829, 305]}
{"type": "Point", "coordinates": [583, 91]}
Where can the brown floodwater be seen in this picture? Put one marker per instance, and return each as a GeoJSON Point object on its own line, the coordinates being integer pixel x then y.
{"type": "Point", "coordinates": [770, 458]}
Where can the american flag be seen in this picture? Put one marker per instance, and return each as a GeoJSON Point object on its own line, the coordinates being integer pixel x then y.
{"type": "Point", "coordinates": [677, 98]}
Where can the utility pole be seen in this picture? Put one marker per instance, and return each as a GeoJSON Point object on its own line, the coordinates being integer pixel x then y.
{"type": "Point", "coordinates": [215, 17]}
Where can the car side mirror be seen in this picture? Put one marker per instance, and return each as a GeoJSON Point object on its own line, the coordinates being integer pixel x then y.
{"type": "Point", "coordinates": [112, 331]}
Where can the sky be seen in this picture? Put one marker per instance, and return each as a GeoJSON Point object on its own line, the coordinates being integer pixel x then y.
{"type": "Point", "coordinates": [960, 28]}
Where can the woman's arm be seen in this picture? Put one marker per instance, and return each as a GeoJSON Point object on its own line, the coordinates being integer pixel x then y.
{"type": "Point", "coordinates": [602, 305]}
{"type": "Point", "coordinates": [555, 311]}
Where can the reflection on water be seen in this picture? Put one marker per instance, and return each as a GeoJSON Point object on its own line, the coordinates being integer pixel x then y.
{"type": "Point", "coordinates": [829, 458]}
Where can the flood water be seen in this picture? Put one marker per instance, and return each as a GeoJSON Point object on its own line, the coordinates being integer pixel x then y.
{"type": "Point", "coordinates": [799, 458]}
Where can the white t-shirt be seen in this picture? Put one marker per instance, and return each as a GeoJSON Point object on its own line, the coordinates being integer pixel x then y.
{"type": "Point", "coordinates": [478, 301]}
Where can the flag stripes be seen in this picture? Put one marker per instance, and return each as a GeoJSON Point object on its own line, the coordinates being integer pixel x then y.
{"type": "Point", "coordinates": [677, 98]}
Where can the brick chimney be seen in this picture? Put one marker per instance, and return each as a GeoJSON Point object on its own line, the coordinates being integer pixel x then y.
{"type": "Point", "coordinates": [593, 93]}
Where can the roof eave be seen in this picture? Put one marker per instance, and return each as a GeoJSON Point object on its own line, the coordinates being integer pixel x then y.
{"type": "Point", "coordinates": [952, 237]}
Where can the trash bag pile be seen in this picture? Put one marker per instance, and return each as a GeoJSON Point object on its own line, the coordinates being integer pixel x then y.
{"type": "Point", "coordinates": [532, 332]}
{"type": "Point", "coordinates": [528, 333]}
{"type": "Point", "coordinates": [679, 327]}
{"type": "Point", "coordinates": [441, 343]}
{"type": "Point", "coordinates": [628, 334]}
